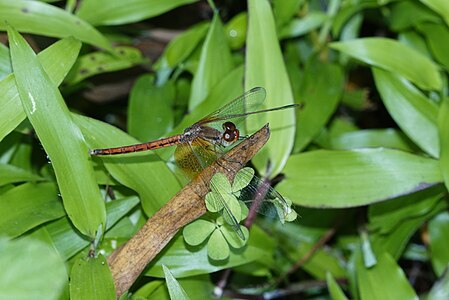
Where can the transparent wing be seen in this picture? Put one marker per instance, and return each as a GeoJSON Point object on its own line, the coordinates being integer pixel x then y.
{"type": "Point", "coordinates": [192, 158]}
{"type": "Point", "coordinates": [270, 202]}
{"type": "Point", "coordinates": [237, 108]}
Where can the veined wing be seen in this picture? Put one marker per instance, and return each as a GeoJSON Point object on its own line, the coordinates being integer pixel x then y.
{"type": "Point", "coordinates": [238, 108]}
{"type": "Point", "coordinates": [192, 158]}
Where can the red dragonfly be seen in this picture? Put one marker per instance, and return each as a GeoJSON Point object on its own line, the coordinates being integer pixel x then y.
{"type": "Point", "coordinates": [205, 141]}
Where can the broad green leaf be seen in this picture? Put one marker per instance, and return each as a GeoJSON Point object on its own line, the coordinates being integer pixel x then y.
{"type": "Point", "coordinates": [386, 280]}
{"type": "Point", "coordinates": [320, 91]}
{"type": "Point", "coordinates": [194, 261]}
{"type": "Point", "coordinates": [265, 67]}
{"type": "Point", "coordinates": [443, 130]}
{"type": "Point", "coordinates": [334, 290]}
{"type": "Point", "coordinates": [56, 61]}
{"type": "Point", "coordinates": [27, 206]}
{"type": "Point", "coordinates": [215, 63]}
{"type": "Point", "coordinates": [95, 63]}
{"type": "Point", "coordinates": [145, 173]}
{"type": "Point", "coordinates": [354, 178]}
{"type": "Point", "coordinates": [150, 109]}
{"type": "Point", "coordinates": [50, 117]}
{"type": "Point", "coordinates": [116, 12]}
{"type": "Point", "coordinates": [174, 288]}
{"type": "Point", "coordinates": [49, 20]}
{"type": "Point", "coordinates": [91, 279]}
{"type": "Point", "coordinates": [30, 270]}
{"type": "Point", "coordinates": [413, 112]}
{"type": "Point", "coordinates": [232, 238]}
{"type": "Point", "coordinates": [198, 231]}
{"type": "Point", "coordinates": [395, 57]}
{"type": "Point", "coordinates": [13, 174]}
{"type": "Point", "coordinates": [439, 6]}
{"type": "Point", "coordinates": [438, 236]}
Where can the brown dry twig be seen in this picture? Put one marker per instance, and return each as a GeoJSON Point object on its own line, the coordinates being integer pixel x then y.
{"type": "Point", "coordinates": [127, 262]}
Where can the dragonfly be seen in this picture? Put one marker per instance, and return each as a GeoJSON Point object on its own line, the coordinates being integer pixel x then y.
{"type": "Point", "coordinates": [204, 142]}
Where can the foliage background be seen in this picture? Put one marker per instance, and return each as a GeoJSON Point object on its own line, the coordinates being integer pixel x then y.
{"type": "Point", "coordinates": [367, 165]}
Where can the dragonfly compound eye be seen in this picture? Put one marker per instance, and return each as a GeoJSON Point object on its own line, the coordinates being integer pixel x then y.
{"type": "Point", "coordinates": [231, 134]}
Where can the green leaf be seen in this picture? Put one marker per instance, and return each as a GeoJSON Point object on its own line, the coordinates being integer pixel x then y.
{"type": "Point", "coordinates": [198, 231]}
{"type": "Point", "coordinates": [335, 291]}
{"type": "Point", "coordinates": [232, 238]}
{"type": "Point", "coordinates": [395, 241]}
{"type": "Point", "coordinates": [50, 117]}
{"type": "Point", "coordinates": [298, 27]}
{"type": "Point", "coordinates": [38, 274]}
{"type": "Point", "coordinates": [413, 112]}
{"type": "Point", "coordinates": [372, 138]}
{"type": "Point", "coordinates": [217, 247]}
{"type": "Point", "coordinates": [321, 90]}
{"type": "Point", "coordinates": [115, 12]}
{"type": "Point", "coordinates": [437, 36]}
{"type": "Point", "coordinates": [174, 288]}
{"type": "Point", "coordinates": [27, 206]}
{"type": "Point", "coordinates": [395, 57]}
{"type": "Point", "coordinates": [183, 45]}
{"type": "Point", "coordinates": [49, 20]}
{"type": "Point", "coordinates": [68, 242]}
{"type": "Point", "coordinates": [215, 63]}
{"type": "Point", "coordinates": [150, 110]}
{"type": "Point", "coordinates": [56, 61]}
{"type": "Point", "coordinates": [265, 67]}
{"type": "Point", "coordinates": [91, 279]}
{"type": "Point", "coordinates": [385, 216]}
{"type": "Point", "coordinates": [439, 6]}
{"type": "Point", "coordinates": [386, 274]}
{"type": "Point", "coordinates": [101, 62]}
{"type": "Point", "coordinates": [438, 236]}
{"type": "Point", "coordinates": [443, 130]}
{"type": "Point", "coordinates": [355, 178]}
{"type": "Point", "coordinates": [133, 171]}
{"type": "Point", "coordinates": [5, 62]}
{"type": "Point", "coordinates": [440, 290]}
{"type": "Point", "coordinates": [186, 262]}
{"type": "Point", "coordinates": [236, 30]}
{"type": "Point", "coordinates": [13, 174]}
{"type": "Point", "coordinates": [242, 179]}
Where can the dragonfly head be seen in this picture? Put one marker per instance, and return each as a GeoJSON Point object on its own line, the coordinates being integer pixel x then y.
{"type": "Point", "coordinates": [230, 134]}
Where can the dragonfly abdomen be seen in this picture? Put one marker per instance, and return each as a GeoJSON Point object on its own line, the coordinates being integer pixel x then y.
{"type": "Point", "coordinates": [164, 142]}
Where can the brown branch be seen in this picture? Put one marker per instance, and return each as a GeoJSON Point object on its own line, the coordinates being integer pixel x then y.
{"type": "Point", "coordinates": [127, 262]}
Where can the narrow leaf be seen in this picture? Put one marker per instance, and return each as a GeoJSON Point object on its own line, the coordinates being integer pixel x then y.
{"type": "Point", "coordinates": [265, 67]}
{"type": "Point", "coordinates": [45, 19]}
{"type": "Point", "coordinates": [50, 117]}
{"type": "Point", "coordinates": [413, 112]}
{"type": "Point", "coordinates": [174, 288]}
{"type": "Point", "coordinates": [215, 63]}
{"type": "Point", "coordinates": [393, 56]}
